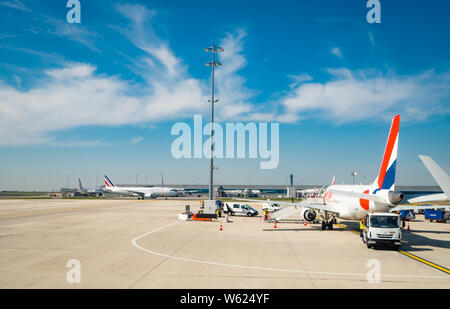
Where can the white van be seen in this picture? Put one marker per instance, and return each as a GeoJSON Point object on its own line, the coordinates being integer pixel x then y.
{"type": "Point", "coordinates": [239, 209]}
{"type": "Point", "coordinates": [271, 206]}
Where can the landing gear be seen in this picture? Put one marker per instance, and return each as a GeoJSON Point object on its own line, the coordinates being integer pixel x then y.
{"type": "Point", "coordinates": [328, 224]}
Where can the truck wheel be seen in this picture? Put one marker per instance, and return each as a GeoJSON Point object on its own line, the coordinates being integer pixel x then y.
{"type": "Point", "coordinates": [249, 214]}
{"type": "Point", "coordinates": [397, 247]}
{"type": "Point", "coordinates": [367, 243]}
{"type": "Point", "coordinates": [324, 226]}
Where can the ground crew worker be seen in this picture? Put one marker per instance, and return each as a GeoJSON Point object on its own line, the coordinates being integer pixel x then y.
{"type": "Point", "coordinates": [266, 214]}
{"type": "Point", "coordinates": [218, 212]}
{"type": "Point", "coordinates": [361, 227]}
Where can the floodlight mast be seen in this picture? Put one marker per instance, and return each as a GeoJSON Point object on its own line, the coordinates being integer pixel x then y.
{"type": "Point", "coordinates": [213, 49]}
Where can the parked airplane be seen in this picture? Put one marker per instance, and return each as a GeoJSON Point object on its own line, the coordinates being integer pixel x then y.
{"type": "Point", "coordinates": [441, 178]}
{"type": "Point", "coordinates": [353, 202]}
{"type": "Point", "coordinates": [141, 192]}
{"type": "Point", "coordinates": [88, 192]}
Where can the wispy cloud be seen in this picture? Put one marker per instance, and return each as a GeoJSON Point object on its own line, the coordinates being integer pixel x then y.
{"type": "Point", "coordinates": [361, 95]}
{"type": "Point", "coordinates": [237, 101]}
{"type": "Point", "coordinates": [136, 140]}
{"type": "Point", "coordinates": [15, 4]}
{"type": "Point", "coordinates": [74, 32]}
{"type": "Point", "coordinates": [337, 52]}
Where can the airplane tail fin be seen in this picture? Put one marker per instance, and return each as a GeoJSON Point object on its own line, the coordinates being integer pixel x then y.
{"type": "Point", "coordinates": [79, 184]}
{"type": "Point", "coordinates": [386, 176]}
{"type": "Point", "coordinates": [162, 180]}
{"type": "Point", "coordinates": [108, 182]}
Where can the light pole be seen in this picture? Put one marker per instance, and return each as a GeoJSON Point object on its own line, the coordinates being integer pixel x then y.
{"type": "Point", "coordinates": [353, 174]}
{"type": "Point", "coordinates": [213, 49]}
{"type": "Point", "coordinates": [68, 179]}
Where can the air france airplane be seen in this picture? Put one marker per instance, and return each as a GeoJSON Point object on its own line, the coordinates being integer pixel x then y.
{"type": "Point", "coordinates": [141, 192]}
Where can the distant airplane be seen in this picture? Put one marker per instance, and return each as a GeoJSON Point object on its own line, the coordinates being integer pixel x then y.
{"type": "Point", "coordinates": [141, 192]}
{"type": "Point", "coordinates": [441, 178]}
{"type": "Point", "coordinates": [88, 192]}
{"type": "Point", "coordinates": [353, 202]}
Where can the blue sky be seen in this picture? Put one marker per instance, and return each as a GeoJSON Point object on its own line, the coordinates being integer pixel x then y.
{"type": "Point", "coordinates": [102, 96]}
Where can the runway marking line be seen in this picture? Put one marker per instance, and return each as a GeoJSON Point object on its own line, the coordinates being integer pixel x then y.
{"type": "Point", "coordinates": [134, 243]}
{"type": "Point", "coordinates": [415, 257]}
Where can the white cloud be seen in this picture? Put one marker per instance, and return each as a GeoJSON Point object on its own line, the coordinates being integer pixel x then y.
{"type": "Point", "coordinates": [75, 96]}
{"type": "Point", "coordinates": [136, 140]}
{"type": "Point", "coordinates": [15, 4]}
{"type": "Point", "coordinates": [337, 52]}
{"type": "Point", "coordinates": [352, 96]}
{"type": "Point", "coordinates": [235, 98]}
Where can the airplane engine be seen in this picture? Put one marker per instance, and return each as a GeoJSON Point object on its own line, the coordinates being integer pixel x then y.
{"type": "Point", "coordinates": [395, 197]}
{"type": "Point", "coordinates": [148, 195]}
{"type": "Point", "coordinates": [309, 214]}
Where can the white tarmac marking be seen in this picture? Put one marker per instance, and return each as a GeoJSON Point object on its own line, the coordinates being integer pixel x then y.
{"type": "Point", "coordinates": [259, 268]}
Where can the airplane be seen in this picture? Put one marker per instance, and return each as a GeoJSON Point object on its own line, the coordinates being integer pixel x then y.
{"type": "Point", "coordinates": [141, 192]}
{"type": "Point", "coordinates": [441, 178]}
{"type": "Point", "coordinates": [353, 202]}
{"type": "Point", "coordinates": [241, 192]}
{"type": "Point", "coordinates": [88, 192]}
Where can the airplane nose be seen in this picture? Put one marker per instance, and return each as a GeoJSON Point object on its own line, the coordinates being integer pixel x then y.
{"type": "Point", "coordinates": [395, 197]}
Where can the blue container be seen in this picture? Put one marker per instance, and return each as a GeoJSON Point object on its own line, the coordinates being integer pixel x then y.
{"type": "Point", "coordinates": [407, 214]}
{"type": "Point", "coordinates": [434, 214]}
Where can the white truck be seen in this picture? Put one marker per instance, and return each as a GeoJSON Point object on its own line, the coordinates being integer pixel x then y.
{"type": "Point", "coordinates": [382, 229]}
{"type": "Point", "coordinates": [271, 206]}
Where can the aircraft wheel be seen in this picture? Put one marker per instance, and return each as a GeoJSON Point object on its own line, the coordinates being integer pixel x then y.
{"type": "Point", "coordinates": [330, 225]}
{"type": "Point", "coordinates": [324, 225]}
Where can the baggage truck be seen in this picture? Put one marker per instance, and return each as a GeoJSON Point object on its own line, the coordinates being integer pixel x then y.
{"type": "Point", "coordinates": [436, 215]}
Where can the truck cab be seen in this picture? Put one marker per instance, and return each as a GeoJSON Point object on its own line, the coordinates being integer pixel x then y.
{"type": "Point", "coordinates": [382, 229]}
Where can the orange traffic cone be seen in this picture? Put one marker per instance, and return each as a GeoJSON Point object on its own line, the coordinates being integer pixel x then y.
{"type": "Point", "coordinates": [275, 225]}
{"type": "Point", "coordinates": [408, 227]}
{"type": "Point", "coordinates": [220, 227]}
{"type": "Point", "coordinates": [304, 223]}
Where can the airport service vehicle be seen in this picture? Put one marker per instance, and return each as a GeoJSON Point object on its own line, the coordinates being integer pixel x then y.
{"type": "Point", "coordinates": [141, 192]}
{"type": "Point", "coordinates": [353, 202]}
{"type": "Point", "coordinates": [382, 229]}
{"type": "Point", "coordinates": [271, 206]}
{"type": "Point", "coordinates": [437, 215]}
{"type": "Point", "coordinates": [240, 209]}
{"type": "Point", "coordinates": [407, 215]}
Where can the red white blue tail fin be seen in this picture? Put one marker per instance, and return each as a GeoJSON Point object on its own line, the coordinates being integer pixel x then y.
{"type": "Point", "coordinates": [108, 182]}
{"type": "Point", "coordinates": [386, 176]}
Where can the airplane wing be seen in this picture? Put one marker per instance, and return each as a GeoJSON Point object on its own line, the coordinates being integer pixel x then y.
{"type": "Point", "coordinates": [363, 196]}
{"type": "Point", "coordinates": [140, 194]}
{"type": "Point", "coordinates": [438, 174]}
{"type": "Point", "coordinates": [316, 206]}
{"type": "Point", "coordinates": [422, 207]}
{"type": "Point", "coordinates": [429, 198]}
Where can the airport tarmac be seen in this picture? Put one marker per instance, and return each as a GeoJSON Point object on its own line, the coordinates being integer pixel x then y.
{"type": "Point", "coordinates": [141, 244]}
